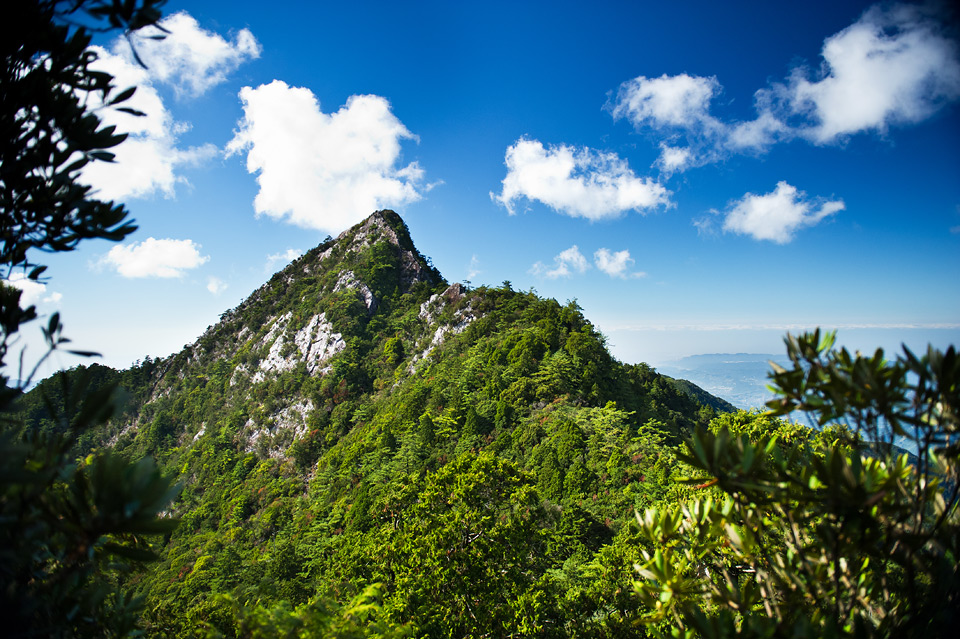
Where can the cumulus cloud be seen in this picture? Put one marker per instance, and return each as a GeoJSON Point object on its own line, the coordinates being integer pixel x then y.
{"type": "Point", "coordinates": [189, 59]}
{"type": "Point", "coordinates": [192, 59]}
{"type": "Point", "coordinates": [281, 259]}
{"type": "Point", "coordinates": [672, 105]}
{"type": "Point", "coordinates": [32, 292]}
{"type": "Point", "coordinates": [579, 182]}
{"type": "Point", "coordinates": [154, 258]}
{"type": "Point", "coordinates": [668, 101]}
{"type": "Point", "coordinates": [320, 170]}
{"type": "Point", "coordinates": [673, 158]}
{"type": "Point", "coordinates": [564, 264]}
{"type": "Point", "coordinates": [776, 216]}
{"type": "Point", "coordinates": [893, 66]}
{"type": "Point", "coordinates": [615, 264]}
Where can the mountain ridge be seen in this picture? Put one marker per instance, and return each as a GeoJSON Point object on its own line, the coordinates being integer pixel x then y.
{"type": "Point", "coordinates": [358, 401]}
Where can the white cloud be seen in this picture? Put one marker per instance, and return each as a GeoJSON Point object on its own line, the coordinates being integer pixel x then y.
{"type": "Point", "coordinates": [615, 264]}
{"type": "Point", "coordinates": [215, 285]}
{"type": "Point", "coordinates": [577, 182]}
{"type": "Point", "coordinates": [474, 269]}
{"type": "Point", "coordinates": [190, 59]}
{"type": "Point", "coordinates": [32, 291]}
{"type": "Point", "coordinates": [705, 225]}
{"type": "Point", "coordinates": [777, 215]}
{"type": "Point", "coordinates": [323, 171]}
{"type": "Point", "coordinates": [892, 66]}
{"type": "Point", "coordinates": [282, 259]}
{"type": "Point", "coordinates": [564, 264]}
{"type": "Point", "coordinates": [757, 134]}
{"type": "Point", "coordinates": [673, 158]}
{"type": "Point", "coordinates": [154, 258]}
{"type": "Point", "coordinates": [668, 101]}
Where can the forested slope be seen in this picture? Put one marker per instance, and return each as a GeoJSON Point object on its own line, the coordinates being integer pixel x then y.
{"type": "Point", "coordinates": [363, 449]}
{"type": "Point", "coordinates": [359, 421]}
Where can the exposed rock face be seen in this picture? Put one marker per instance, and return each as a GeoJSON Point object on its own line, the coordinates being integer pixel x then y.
{"type": "Point", "coordinates": [381, 225]}
{"type": "Point", "coordinates": [314, 344]}
{"type": "Point", "coordinates": [302, 319]}
{"type": "Point", "coordinates": [349, 280]}
{"type": "Point", "coordinates": [287, 424]}
{"type": "Point", "coordinates": [432, 308]}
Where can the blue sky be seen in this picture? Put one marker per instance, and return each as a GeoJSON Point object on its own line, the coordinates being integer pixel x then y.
{"type": "Point", "coordinates": [699, 176]}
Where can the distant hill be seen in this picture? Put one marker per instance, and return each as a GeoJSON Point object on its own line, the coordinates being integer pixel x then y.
{"type": "Point", "coordinates": [703, 396]}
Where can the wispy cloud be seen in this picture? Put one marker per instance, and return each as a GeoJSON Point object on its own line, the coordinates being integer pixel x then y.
{"type": "Point", "coordinates": [215, 285]}
{"type": "Point", "coordinates": [894, 66]}
{"type": "Point", "coordinates": [579, 182]}
{"type": "Point", "coordinates": [572, 262]}
{"type": "Point", "coordinates": [777, 215]}
{"type": "Point", "coordinates": [319, 170]}
{"type": "Point", "coordinates": [281, 259]}
{"type": "Point", "coordinates": [189, 59]}
{"type": "Point", "coordinates": [474, 269]}
{"type": "Point", "coordinates": [165, 258]}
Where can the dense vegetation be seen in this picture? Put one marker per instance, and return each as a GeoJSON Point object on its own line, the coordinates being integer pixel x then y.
{"type": "Point", "coordinates": [469, 463]}
{"type": "Point", "coordinates": [819, 533]}
{"type": "Point", "coordinates": [68, 530]}
{"type": "Point", "coordinates": [363, 450]}
{"type": "Point", "coordinates": [484, 487]}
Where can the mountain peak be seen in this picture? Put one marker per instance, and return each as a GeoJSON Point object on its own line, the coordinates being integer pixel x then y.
{"type": "Point", "coordinates": [369, 265]}
{"type": "Point", "coordinates": [358, 246]}
{"type": "Point", "coordinates": [383, 223]}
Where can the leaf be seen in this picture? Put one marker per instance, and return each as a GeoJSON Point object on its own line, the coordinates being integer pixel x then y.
{"type": "Point", "coordinates": [123, 96]}
{"type": "Point", "coordinates": [85, 353]}
{"type": "Point", "coordinates": [130, 552]}
{"type": "Point", "coordinates": [103, 156]}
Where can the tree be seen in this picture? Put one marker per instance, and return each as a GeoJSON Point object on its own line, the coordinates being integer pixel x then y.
{"type": "Point", "coordinates": [67, 528]}
{"type": "Point", "coordinates": [851, 530]}
{"type": "Point", "coordinates": [50, 132]}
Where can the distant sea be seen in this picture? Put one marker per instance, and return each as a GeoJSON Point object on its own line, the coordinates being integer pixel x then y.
{"type": "Point", "coordinates": [739, 378]}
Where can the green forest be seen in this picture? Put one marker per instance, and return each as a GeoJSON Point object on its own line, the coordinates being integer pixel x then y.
{"type": "Point", "coordinates": [362, 449]}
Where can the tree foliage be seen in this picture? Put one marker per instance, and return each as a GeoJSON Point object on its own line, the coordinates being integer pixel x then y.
{"type": "Point", "coordinates": [852, 530]}
{"type": "Point", "coordinates": [49, 132]}
{"type": "Point", "coordinates": [69, 529]}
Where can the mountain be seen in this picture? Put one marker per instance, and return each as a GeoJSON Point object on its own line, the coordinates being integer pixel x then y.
{"type": "Point", "coordinates": [359, 429]}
